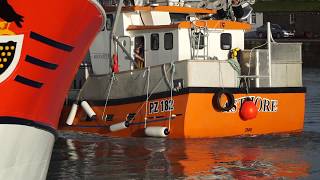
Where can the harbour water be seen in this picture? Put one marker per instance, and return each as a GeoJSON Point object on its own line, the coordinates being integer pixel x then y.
{"type": "Point", "coordinates": [286, 156]}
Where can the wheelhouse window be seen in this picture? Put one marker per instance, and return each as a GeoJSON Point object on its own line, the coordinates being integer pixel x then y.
{"type": "Point", "coordinates": [253, 18]}
{"type": "Point", "coordinates": [225, 41]}
{"type": "Point", "coordinates": [168, 41]}
{"type": "Point", "coordinates": [109, 21]}
{"type": "Point", "coordinates": [178, 17]}
{"type": "Point", "coordinates": [154, 41]}
{"type": "Point", "coordinates": [139, 47]}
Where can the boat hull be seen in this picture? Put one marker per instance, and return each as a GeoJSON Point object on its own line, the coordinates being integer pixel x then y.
{"type": "Point", "coordinates": [25, 151]}
{"type": "Point", "coordinates": [281, 110]}
{"type": "Point", "coordinates": [50, 47]}
{"type": "Point", "coordinates": [41, 48]}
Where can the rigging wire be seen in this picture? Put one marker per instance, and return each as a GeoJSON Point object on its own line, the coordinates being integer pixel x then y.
{"type": "Point", "coordinates": [107, 98]}
{"type": "Point", "coordinates": [150, 94]}
{"type": "Point", "coordinates": [249, 70]}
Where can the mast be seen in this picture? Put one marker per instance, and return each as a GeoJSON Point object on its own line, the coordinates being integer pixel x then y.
{"type": "Point", "coordinates": [113, 44]}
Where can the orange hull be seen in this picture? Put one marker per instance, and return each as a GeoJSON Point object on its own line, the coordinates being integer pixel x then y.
{"type": "Point", "coordinates": [51, 42]}
{"type": "Point", "coordinates": [195, 116]}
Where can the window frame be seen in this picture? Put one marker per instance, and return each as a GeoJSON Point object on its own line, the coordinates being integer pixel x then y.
{"type": "Point", "coordinates": [253, 18]}
{"type": "Point", "coordinates": [152, 43]}
{"type": "Point", "coordinates": [164, 40]}
{"type": "Point", "coordinates": [221, 41]}
{"type": "Point", "coordinates": [109, 21]}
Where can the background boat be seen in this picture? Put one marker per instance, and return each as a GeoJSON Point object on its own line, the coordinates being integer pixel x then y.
{"type": "Point", "coordinates": [194, 67]}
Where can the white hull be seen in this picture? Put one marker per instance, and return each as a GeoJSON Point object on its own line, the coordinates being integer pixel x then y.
{"type": "Point", "coordinates": [25, 152]}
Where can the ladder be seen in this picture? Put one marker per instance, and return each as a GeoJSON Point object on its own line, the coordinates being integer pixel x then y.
{"type": "Point", "coordinates": [199, 40]}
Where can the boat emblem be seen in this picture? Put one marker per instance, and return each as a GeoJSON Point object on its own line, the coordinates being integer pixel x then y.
{"type": "Point", "coordinates": [8, 14]}
{"type": "Point", "coordinates": [10, 43]}
{"type": "Point", "coordinates": [10, 51]}
{"type": "Point", "coordinates": [4, 28]}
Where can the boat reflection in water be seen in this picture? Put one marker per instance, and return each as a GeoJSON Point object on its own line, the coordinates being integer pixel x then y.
{"type": "Point", "coordinates": [233, 160]}
{"type": "Point", "coordinates": [265, 157]}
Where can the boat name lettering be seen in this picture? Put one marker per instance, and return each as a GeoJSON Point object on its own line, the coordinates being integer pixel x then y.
{"type": "Point", "coordinates": [161, 106]}
{"type": "Point", "coordinates": [263, 104]}
{"type": "Point", "coordinates": [101, 55]}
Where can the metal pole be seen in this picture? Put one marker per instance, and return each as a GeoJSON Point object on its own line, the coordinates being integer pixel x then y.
{"type": "Point", "coordinates": [269, 52]}
{"type": "Point", "coordinates": [124, 50]}
{"type": "Point", "coordinates": [113, 32]}
{"type": "Point", "coordinates": [86, 71]}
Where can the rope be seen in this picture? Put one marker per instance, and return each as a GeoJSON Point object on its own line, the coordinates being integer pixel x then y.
{"type": "Point", "coordinates": [165, 75]}
{"type": "Point", "coordinates": [249, 71]}
{"type": "Point", "coordinates": [198, 45]}
{"type": "Point", "coordinates": [235, 65]}
{"type": "Point", "coordinates": [147, 99]}
{"type": "Point", "coordinates": [109, 91]}
{"type": "Point", "coordinates": [80, 91]}
{"type": "Point", "coordinates": [150, 94]}
{"type": "Point", "coordinates": [229, 10]}
{"type": "Point", "coordinates": [220, 78]}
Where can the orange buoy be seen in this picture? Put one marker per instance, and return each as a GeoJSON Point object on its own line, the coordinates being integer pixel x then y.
{"type": "Point", "coordinates": [248, 110]}
{"type": "Point", "coordinates": [115, 67]}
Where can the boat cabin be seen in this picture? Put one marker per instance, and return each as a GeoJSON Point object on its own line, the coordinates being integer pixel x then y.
{"type": "Point", "coordinates": [164, 34]}
{"type": "Point", "coordinates": [150, 35]}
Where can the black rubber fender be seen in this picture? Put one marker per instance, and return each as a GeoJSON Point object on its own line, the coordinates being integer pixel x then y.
{"type": "Point", "coordinates": [217, 104]}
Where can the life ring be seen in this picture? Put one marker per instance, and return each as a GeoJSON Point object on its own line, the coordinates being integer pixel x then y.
{"type": "Point", "coordinates": [217, 103]}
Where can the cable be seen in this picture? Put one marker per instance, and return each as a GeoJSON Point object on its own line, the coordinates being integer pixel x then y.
{"type": "Point", "coordinates": [109, 91]}
{"type": "Point", "coordinates": [150, 94]}
{"type": "Point", "coordinates": [249, 71]}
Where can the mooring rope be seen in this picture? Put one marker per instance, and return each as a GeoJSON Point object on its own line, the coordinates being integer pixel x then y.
{"type": "Point", "coordinates": [235, 65]}
{"type": "Point", "coordinates": [107, 98]}
{"type": "Point", "coordinates": [165, 75]}
{"type": "Point", "coordinates": [150, 94]}
{"type": "Point", "coordinates": [220, 76]}
{"type": "Point", "coordinates": [249, 71]}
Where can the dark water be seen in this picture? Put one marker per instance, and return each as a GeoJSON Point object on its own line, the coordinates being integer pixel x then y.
{"type": "Point", "coordinates": [295, 156]}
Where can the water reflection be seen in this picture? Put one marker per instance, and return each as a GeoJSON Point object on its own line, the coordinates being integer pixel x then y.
{"type": "Point", "coordinates": [268, 157]}
{"type": "Point", "coordinates": [239, 159]}
{"type": "Point", "coordinates": [312, 117]}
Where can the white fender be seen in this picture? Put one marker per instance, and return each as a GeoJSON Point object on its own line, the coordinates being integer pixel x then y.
{"type": "Point", "coordinates": [86, 107]}
{"type": "Point", "coordinates": [72, 114]}
{"type": "Point", "coordinates": [156, 131]}
{"type": "Point", "coordinates": [119, 126]}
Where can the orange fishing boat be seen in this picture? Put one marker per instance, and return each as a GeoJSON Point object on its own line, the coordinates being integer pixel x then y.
{"type": "Point", "coordinates": [42, 44]}
{"type": "Point", "coordinates": [177, 71]}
